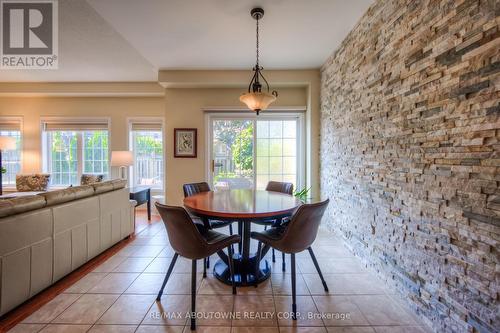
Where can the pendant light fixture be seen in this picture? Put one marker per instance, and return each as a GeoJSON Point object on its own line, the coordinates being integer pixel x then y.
{"type": "Point", "coordinates": [256, 99]}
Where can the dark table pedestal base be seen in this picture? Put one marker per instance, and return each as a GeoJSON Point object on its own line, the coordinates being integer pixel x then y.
{"type": "Point", "coordinates": [244, 271]}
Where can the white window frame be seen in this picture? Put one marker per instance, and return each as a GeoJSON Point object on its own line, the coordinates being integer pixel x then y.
{"type": "Point", "coordinates": [151, 120]}
{"type": "Point", "coordinates": [46, 158]}
{"type": "Point", "coordinates": [299, 115]}
{"type": "Point", "coordinates": [20, 120]}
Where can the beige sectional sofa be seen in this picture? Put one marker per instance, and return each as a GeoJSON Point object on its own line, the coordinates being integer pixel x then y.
{"type": "Point", "coordinates": [44, 237]}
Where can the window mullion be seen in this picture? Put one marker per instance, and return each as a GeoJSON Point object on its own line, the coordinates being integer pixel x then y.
{"type": "Point", "coordinates": [79, 152]}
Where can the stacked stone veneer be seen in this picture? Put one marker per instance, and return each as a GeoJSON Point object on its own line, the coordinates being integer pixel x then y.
{"type": "Point", "coordinates": [410, 154]}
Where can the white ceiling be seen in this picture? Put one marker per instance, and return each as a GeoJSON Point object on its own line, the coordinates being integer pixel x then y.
{"type": "Point", "coordinates": [130, 40]}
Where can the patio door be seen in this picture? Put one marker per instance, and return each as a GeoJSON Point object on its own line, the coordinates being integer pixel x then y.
{"type": "Point", "coordinates": [245, 152]}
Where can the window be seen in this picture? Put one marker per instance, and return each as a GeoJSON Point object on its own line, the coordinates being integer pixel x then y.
{"type": "Point", "coordinates": [248, 152]}
{"type": "Point", "coordinates": [73, 149]}
{"type": "Point", "coordinates": [11, 159]}
{"type": "Point", "coordinates": [276, 152]}
{"type": "Point", "coordinates": [146, 142]}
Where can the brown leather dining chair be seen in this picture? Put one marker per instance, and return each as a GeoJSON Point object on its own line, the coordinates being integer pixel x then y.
{"type": "Point", "coordinates": [188, 242]}
{"type": "Point", "coordinates": [281, 187]}
{"type": "Point", "coordinates": [298, 236]}
{"type": "Point", "coordinates": [195, 188]}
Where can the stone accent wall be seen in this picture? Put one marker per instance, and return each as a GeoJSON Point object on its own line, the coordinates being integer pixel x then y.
{"type": "Point", "coordinates": [410, 154]}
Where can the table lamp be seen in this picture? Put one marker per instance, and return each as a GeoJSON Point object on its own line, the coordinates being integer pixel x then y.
{"type": "Point", "coordinates": [6, 143]}
{"type": "Point", "coordinates": [122, 159]}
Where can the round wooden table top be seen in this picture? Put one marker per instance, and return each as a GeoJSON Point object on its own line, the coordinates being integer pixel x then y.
{"type": "Point", "coordinates": [241, 204]}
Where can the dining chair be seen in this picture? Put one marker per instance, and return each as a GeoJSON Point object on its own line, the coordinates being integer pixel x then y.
{"type": "Point", "coordinates": [189, 243]}
{"type": "Point", "coordinates": [281, 187]}
{"type": "Point", "coordinates": [297, 236]}
{"type": "Point", "coordinates": [195, 188]}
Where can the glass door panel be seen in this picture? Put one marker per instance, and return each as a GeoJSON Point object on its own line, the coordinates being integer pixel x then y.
{"type": "Point", "coordinates": [232, 154]}
{"type": "Point", "coordinates": [276, 152]}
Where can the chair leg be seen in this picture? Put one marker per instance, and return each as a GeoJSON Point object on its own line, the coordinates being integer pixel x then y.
{"type": "Point", "coordinates": [283, 261]}
{"type": "Point", "coordinates": [169, 271]}
{"type": "Point", "coordinates": [231, 267]}
{"type": "Point", "coordinates": [193, 296]}
{"type": "Point", "coordinates": [294, 294]}
{"type": "Point", "coordinates": [204, 267]}
{"type": "Point", "coordinates": [231, 229]}
{"type": "Point", "coordinates": [257, 264]}
{"type": "Point", "coordinates": [313, 257]}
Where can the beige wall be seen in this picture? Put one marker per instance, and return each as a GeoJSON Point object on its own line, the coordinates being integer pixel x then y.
{"type": "Point", "coordinates": [31, 109]}
{"type": "Point", "coordinates": [179, 107]}
{"type": "Point", "coordinates": [184, 109]}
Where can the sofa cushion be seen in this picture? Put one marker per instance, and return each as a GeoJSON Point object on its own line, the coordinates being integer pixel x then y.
{"type": "Point", "coordinates": [33, 182]}
{"type": "Point", "coordinates": [88, 179]}
{"type": "Point", "coordinates": [103, 187]}
{"type": "Point", "coordinates": [83, 191]}
{"type": "Point", "coordinates": [119, 183]}
{"type": "Point", "coordinates": [68, 194]}
{"type": "Point", "coordinates": [21, 205]}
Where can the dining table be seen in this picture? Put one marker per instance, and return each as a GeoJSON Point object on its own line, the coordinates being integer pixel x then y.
{"type": "Point", "coordinates": [244, 207]}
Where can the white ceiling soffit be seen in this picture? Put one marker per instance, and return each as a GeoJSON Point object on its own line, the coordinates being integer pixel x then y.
{"type": "Point", "coordinates": [130, 40]}
{"type": "Point", "coordinates": [220, 34]}
{"type": "Point", "coordinates": [89, 50]}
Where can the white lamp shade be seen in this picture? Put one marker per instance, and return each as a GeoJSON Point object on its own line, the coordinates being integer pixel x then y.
{"type": "Point", "coordinates": [7, 143]}
{"type": "Point", "coordinates": [257, 101]}
{"type": "Point", "coordinates": [121, 158]}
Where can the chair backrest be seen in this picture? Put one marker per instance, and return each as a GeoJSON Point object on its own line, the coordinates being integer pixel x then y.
{"type": "Point", "coordinates": [280, 187]}
{"type": "Point", "coordinates": [183, 235]}
{"type": "Point", "coordinates": [195, 188]}
{"type": "Point", "coordinates": [303, 228]}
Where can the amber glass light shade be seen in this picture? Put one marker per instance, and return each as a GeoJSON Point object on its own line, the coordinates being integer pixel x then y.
{"type": "Point", "coordinates": [257, 101]}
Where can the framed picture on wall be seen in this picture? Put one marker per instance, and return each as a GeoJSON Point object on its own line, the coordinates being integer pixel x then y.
{"type": "Point", "coordinates": [185, 142]}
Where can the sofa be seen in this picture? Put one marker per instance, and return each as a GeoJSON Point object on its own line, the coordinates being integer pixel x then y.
{"type": "Point", "coordinates": [46, 236]}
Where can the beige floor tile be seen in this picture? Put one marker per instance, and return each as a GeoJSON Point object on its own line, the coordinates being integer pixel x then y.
{"type": "Point", "coordinates": [133, 265]}
{"type": "Point", "coordinates": [184, 265]}
{"type": "Point", "coordinates": [255, 311]}
{"type": "Point", "coordinates": [401, 329]}
{"type": "Point", "coordinates": [264, 288]}
{"type": "Point", "coordinates": [282, 284]}
{"type": "Point", "coordinates": [308, 313]}
{"type": "Point", "coordinates": [159, 329]}
{"type": "Point", "coordinates": [214, 310]}
{"type": "Point", "coordinates": [339, 311]}
{"type": "Point", "coordinates": [327, 251]}
{"type": "Point", "coordinates": [172, 310]}
{"type": "Point", "coordinates": [159, 265]}
{"type": "Point", "coordinates": [113, 329]}
{"type": "Point", "coordinates": [128, 310]}
{"type": "Point", "coordinates": [332, 266]}
{"type": "Point", "coordinates": [208, 329]}
{"type": "Point", "coordinates": [110, 264]}
{"type": "Point", "coordinates": [127, 250]}
{"type": "Point", "coordinates": [26, 328]}
{"type": "Point", "coordinates": [352, 329]}
{"type": "Point", "coordinates": [147, 251]}
{"type": "Point", "coordinates": [382, 310]}
{"type": "Point", "coordinates": [167, 252]}
{"type": "Point", "coordinates": [52, 309]}
{"type": "Point", "coordinates": [84, 284]}
{"type": "Point", "coordinates": [342, 284]}
{"type": "Point", "coordinates": [54, 328]}
{"type": "Point", "coordinates": [87, 309]}
{"type": "Point", "coordinates": [254, 330]}
{"type": "Point", "coordinates": [114, 283]}
{"type": "Point", "coordinates": [302, 330]}
{"type": "Point", "coordinates": [146, 283]}
{"type": "Point", "coordinates": [211, 286]}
